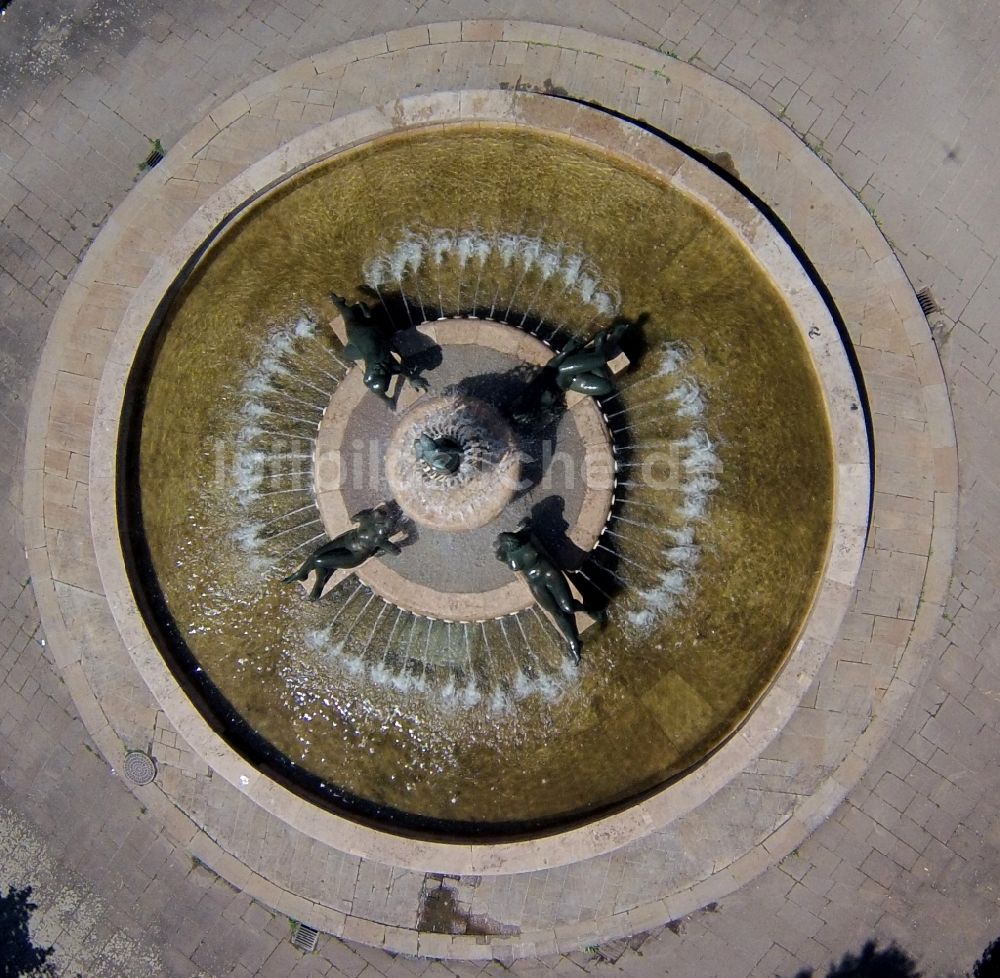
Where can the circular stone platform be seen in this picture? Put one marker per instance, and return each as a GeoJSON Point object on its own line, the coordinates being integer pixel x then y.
{"type": "Point", "coordinates": [694, 842]}
{"type": "Point", "coordinates": [352, 466]}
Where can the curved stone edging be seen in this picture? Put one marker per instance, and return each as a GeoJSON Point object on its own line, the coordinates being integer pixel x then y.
{"type": "Point", "coordinates": [894, 300]}
{"type": "Point", "coordinates": [847, 532]}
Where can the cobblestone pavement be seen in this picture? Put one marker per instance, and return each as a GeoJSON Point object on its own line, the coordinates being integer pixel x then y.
{"type": "Point", "coordinates": [901, 98]}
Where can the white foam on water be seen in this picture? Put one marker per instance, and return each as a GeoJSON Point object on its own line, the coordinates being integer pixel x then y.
{"type": "Point", "coordinates": [545, 686]}
{"type": "Point", "coordinates": [253, 409]}
{"type": "Point", "coordinates": [247, 536]}
{"type": "Point", "coordinates": [694, 507]}
{"type": "Point", "coordinates": [413, 254]}
{"type": "Point", "coordinates": [246, 496]}
{"type": "Point", "coordinates": [464, 248]}
{"type": "Point", "coordinates": [378, 673]}
{"type": "Point", "coordinates": [672, 582]}
{"type": "Point", "coordinates": [508, 246]}
{"type": "Point", "coordinates": [317, 639]}
{"type": "Point", "coordinates": [549, 688]}
{"type": "Point", "coordinates": [258, 384]}
{"type": "Point", "coordinates": [498, 689]}
{"type": "Point", "coordinates": [672, 359]}
{"type": "Point", "coordinates": [272, 366]}
{"type": "Point", "coordinates": [251, 465]}
{"type": "Point", "coordinates": [700, 455]}
{"type": "Point", "coordinates": [548, 263]}
{"type": "Point", "coordinates": [482, 248]}
{"type": "Point", "coordinates": [246, 471]}
{"type": "Point", "coordinates": [257, 565]}
{"type": "Point", "coordinates": [640, 619]}
{"type": "Point", "coordinates": [682, 556]}
{"type": "Point", "coordinates": [397, 264]}
{"type": "Point", "coordinates": [304, 328]}
{"type": "Point", "coordinates": [661, 599]}
{"type": "Point", "coordinates": [282, 344]}
{"type": "Point", "coordinates": [698, 463]}
{"type": "Point", "coordinates": [687, 396]}
{"type": "Point", "coordinates": [571, 270]}
{"type": "Point", "coordinates": [440, 245]}
{"type": "Point", "coordinates": [682, 536]}
{"type": "Point", "coordinates": [603, 303]}
{"type": "Point", "coordinates": [701, 485]}
{"type": "Point", "coordinates": [374, 272]}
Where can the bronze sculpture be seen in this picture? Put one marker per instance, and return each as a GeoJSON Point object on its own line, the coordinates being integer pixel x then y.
{"type": "Point", "coordinates": [582, 365]}
{"type": "Point", "coordinates": [522, 552]}
{"type": "Point", "coordinates": [366, 342]}
{"type": "Point", "coordinates": [349, 549]}
{"type": "Point", "coordinates": [440, 455]}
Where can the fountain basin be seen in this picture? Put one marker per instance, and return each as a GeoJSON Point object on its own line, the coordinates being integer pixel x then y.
{"type": "Point", "coordinates": [677, 689]}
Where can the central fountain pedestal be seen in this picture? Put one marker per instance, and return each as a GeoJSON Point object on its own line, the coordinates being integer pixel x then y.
{"type": "Point", "coordinates": [486, 479]}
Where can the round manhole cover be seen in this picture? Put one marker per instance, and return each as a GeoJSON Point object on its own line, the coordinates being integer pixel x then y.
{"type": "Point", "coordinates": [139, 768]}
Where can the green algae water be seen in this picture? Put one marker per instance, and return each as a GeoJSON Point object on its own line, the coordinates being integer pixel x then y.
{"type": "Point", "coordinates": [708, 566]}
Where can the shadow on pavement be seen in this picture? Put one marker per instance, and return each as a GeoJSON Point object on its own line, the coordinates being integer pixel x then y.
{"type": "Point", "coordinates": [18, 956]}
{"type": "Point", "coordinates": [988, 966]}
{"type": "Point", "coordinates": [894, 962]}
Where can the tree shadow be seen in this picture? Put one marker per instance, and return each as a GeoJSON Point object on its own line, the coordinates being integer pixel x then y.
{"type": "Point", "coordinates": [18, 955]}
{"type": "Point", "coordinates": [894, 962]}
{"type": "Point", "coordinates": [871, 962]}
{"type": "Point", "coordinates": [988, 966]}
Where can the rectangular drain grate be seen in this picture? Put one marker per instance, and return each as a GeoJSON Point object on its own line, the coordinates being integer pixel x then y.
{"type": "Point", "coordinates": [156, 154]}
{"type": "Point", "coordinates": [928, 304]}
{"type": "Point", "coordinates": [304, 937]}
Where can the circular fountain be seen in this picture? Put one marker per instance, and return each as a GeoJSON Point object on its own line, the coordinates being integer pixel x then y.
{"type": "Point", "coordinates": [427, 690]}
{"type": "Point", "coordinates": [151, 668]}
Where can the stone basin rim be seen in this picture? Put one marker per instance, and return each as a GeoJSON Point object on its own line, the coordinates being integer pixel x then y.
{"type": "Point", "coordinates": [602, 834]}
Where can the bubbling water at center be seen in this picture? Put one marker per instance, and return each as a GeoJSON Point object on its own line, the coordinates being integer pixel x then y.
{"type": "Point", "coordinates": [487, 475]}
